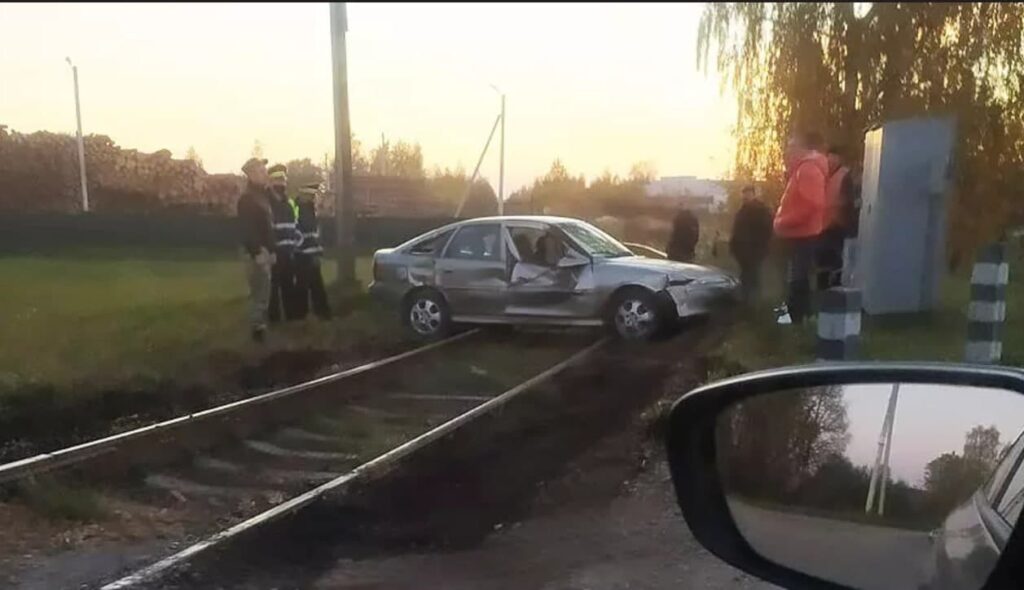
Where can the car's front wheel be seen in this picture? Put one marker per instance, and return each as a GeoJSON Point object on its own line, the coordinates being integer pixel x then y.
{"type": "Point", "coordinates": [426, 313]}
{"type": "Point", "coordinates": [636, 315]}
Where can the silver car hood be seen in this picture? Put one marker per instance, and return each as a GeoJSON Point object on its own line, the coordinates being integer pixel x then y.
{"type": "Point", "coordinates": [674, 270]}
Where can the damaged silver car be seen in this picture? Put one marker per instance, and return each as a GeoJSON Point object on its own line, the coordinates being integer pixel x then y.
{"type": "Point", "coordinates": [540, 270]}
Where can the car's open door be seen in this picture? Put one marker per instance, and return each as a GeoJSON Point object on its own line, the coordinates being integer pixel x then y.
{"type": "Point", "coordinates": [547, 277]}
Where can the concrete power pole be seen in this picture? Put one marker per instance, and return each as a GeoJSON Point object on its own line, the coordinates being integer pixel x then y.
{"type": "Point", "coordinates": [501, 169]}
{"type": "Point", "coordinates": [888, 447]}
{"type": "Point", "coordinates": [344, 203]}
{"type": "Point", "coordinates": [81, 143]}
{"type": "Point", "coordinates": [881, 466]}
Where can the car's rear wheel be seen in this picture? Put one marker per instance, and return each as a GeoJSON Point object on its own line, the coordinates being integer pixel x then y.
{"type": "Point", "coordinates": [426, 313]}
{"type": "Point", "coordinates": [636, 315]}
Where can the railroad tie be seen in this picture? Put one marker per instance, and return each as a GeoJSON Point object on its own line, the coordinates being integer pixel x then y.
{"type": "Point", "coordinates": [276, 451]}
{"type": "Point", "coordinates": [839, 324]}
{"type": "Point", "coordinates": [987, 309]}
{"type": "Point", "coordinates": [191, 488]}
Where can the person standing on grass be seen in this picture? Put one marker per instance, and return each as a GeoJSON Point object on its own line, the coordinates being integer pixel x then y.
{"type": "Point", "coordinates": [682, 244]}
{"type": "Point", "coordinates": [309, 283]}
{"type": "Point", "coordinates": [800, 220]}
{"type": "Point", "coordinates": [748, 244]}
{"type": "Point", "coordinates": [286, 233]}
{"type": "Point", "coordinates": [839, 211]}
{"type": "Point", "coordinates": [257, 228]}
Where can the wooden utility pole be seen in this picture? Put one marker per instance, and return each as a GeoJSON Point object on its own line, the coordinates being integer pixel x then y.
{"type": "Point", "coordinates": [344, 204]}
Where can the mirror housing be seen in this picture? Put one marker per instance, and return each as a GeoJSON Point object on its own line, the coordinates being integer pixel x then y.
{"type": "Point", "coordinates": [572, 262]}
{"type": "Point", "coordinates": [694, 459]}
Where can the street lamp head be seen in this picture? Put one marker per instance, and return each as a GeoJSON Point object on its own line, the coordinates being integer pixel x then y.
{"type": "Point", "coordinates": [496, 89]}
{"type": "Point", "coordinates": [68, 59]}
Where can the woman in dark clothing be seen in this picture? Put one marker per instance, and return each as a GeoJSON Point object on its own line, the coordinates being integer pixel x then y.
{"type": "Point", "coordinates": [682, 244]}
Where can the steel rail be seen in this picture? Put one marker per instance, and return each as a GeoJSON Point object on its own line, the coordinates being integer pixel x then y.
{"type": "Point", "coordinates": [155, 572]}
{"type": "Point", "coordinates": [68, 456]}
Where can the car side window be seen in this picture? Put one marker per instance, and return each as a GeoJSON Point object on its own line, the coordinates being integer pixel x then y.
{"type": "Point", "coordinates": [1004, 470]}
{"type": "Point", "coordinates": [431, 245]}
{"type": "Point", "coordinates": [476, 242]}
{"type": "Point", "coordinates": [1012, 500]}
{"type": "Point", "coordinates": [525, 240]}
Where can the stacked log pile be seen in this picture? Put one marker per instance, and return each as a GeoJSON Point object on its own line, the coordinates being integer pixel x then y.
{"type": "Point", "coordinates": [39, 172]}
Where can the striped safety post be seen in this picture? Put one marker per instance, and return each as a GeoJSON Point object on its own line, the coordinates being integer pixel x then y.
{"type": "Point", "coordinates": [839, 324]}
{"type": "Point", "coordinates": [987, 309]}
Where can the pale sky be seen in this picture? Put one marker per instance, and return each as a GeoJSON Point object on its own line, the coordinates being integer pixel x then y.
{"type": "Point", "coordinates": [930, 420]}
{"type": "Point", "coordinates": [598, 85]}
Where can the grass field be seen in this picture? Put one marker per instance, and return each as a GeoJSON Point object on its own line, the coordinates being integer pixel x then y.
{"type": "Point", "coordinates": [102, 315]}
{"type": "Point", "coordinates": [758, 343]}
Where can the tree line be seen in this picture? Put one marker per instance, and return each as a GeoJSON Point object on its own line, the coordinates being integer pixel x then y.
{"type": "Point", "coordinates": [834, 68]}
{"type": "Point", "coordinates": [789, 450]}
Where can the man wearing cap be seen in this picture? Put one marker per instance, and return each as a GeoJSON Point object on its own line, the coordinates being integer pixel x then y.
{"type": "Point", "coordinates": [309, 283]}
{"type": "Point", "coordinates": [286, 234]}
{"type": "Point", "coordinates": [257, 228]}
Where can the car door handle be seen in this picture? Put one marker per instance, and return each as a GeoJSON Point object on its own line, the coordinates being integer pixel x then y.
{"type": "Point", "coordinates": [447, 272]}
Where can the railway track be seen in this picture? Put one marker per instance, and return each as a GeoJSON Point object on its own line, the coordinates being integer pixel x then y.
{"type": "Point", "coordinates": [222, 473]}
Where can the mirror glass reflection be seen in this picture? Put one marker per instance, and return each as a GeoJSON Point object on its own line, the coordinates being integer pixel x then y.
{"type": "Point", "coordinates": [877, 485]}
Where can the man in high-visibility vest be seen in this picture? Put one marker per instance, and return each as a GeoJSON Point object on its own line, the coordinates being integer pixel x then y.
{"type": "Point", "coordinates": [287, 239]}
{"type": "Point", "coordinates": [840, 210]}
{"type": "Point", "coordinates": [309, 283]}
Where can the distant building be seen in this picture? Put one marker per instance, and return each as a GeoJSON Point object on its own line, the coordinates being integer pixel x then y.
{"type": "Point", "coordinates": [688, 191]}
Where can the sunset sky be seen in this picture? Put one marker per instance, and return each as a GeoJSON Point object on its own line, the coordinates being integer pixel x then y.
{"type": "Point", "coordinates": [600, 86]}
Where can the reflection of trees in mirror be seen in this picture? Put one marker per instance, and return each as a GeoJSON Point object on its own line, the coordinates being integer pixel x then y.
{"type": "Point", "coordinates": [949, 479]}
{"type": "Point", "coordinates": [787, 451]}
{"type": "Point", "coordinates": [771, 444]}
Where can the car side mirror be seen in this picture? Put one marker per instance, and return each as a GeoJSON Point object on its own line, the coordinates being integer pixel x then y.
{"type": "Point", "coordinates": [857, 476]}
{"type": "Point", "coordinates": [572, 262]}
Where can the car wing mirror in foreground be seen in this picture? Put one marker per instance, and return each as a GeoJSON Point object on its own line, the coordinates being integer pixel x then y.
{"type": "Point", "coordinates": [857, 476]}
{"type": "Point", "coordinates": [572, 262]}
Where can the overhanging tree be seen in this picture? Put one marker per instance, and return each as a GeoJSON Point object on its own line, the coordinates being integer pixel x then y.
{"type": "Point", "coordinates": [825, 66]}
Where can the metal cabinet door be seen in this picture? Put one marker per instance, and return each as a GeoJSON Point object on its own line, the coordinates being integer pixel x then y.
{"type": "Point", "coordinates": [472, 272]}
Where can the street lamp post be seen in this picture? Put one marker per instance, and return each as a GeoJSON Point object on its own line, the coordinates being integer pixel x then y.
{"type": "Point", "coordinates": [81, 144]}
{"type": "Point", "coordinates": [501, 156]}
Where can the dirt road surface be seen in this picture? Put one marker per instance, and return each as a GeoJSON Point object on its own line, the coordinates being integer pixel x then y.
{"type": "Point", "coordinates": [635, 539]}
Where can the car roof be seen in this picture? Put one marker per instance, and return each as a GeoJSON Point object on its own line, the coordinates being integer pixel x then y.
{"type": "Point", "coordinates": [540, 218]}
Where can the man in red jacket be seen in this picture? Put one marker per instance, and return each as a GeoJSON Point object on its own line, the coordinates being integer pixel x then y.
{"type": "Point", "coordinates": [800, 218]}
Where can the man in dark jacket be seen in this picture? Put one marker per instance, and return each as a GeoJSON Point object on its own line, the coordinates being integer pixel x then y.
{"type": "Point", "coordinates": [309, 283]}
{"type": "Point", "coordinates": [257, 231]}
{"type": "Point", "coordinates": [286, 233]}
{"type": "Point", "coordinates": [682, 244]}
{"type": "Point", "coordinates": [751, 236]}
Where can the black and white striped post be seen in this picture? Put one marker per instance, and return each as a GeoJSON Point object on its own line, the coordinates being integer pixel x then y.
{"type": "Point", "coordinates": [839, 324]}
{"type": "Point", "coordinates": [987, 309]}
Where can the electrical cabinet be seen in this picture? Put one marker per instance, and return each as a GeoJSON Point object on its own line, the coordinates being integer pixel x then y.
{"type": "Point", "coordinates": [902, 237]}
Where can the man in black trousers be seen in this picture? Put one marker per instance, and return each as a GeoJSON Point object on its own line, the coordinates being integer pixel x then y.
{"type": "Point", "coordinates": [309, 283]}
{"type": "Point", "coordinates": [750, 240]}
{"type": "Point", "coordinates": [287, 239]}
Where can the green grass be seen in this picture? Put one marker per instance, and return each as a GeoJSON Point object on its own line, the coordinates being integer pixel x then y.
{"type": "Point", "coordinates": [103, 314]}
{"type": "Point", "coordinates": [59, 501]}
{"type": "Point", "coordinates": [756, 342]}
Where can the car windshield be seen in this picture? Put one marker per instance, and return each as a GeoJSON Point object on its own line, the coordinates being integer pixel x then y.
{"type": "Point", "coordinates": [594, 241]}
